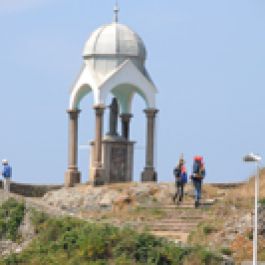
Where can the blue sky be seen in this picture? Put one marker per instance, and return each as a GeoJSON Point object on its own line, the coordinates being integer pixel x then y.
{"type": "Point", "coordinates": [207, 59]}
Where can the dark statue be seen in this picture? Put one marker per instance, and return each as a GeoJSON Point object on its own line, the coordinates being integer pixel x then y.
{"type": "Point", "coordinates": [113, 117]}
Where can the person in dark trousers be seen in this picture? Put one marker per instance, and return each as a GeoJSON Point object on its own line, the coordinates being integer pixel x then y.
{"type": "Point", "coordinates": [198, 174]}
{"type": "Point", "coordinates": [7, 174]}
{"type": "Point", "coordinates": [180, 174]}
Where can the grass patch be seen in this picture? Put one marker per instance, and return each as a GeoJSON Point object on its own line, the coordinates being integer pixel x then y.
{"type": "Point", "coordinates": [154, 212]}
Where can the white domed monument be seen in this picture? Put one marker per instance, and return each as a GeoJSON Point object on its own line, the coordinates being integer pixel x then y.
{"type": "Point", "coordinates": [114, 63]}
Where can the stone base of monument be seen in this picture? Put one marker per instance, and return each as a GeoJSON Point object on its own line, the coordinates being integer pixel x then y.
{"type": "Point", "coordinates": [149, 174]}
{"type": "Point", "coordinates": [97, 176]}
{"type": "Point", "coordinates": [117, 161]}
{"type": "Point", "coordinates": [72, 177]}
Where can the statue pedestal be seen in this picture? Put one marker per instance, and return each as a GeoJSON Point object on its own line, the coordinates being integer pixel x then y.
{"type": "Point", "coordinates": [117, 161]}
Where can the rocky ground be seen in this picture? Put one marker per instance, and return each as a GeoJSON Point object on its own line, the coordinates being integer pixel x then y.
{"type": "Point", "coordinates": [146, 206]}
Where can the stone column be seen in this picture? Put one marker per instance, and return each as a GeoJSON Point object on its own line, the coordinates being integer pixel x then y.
{"type": "Point", "coordinates": [125, 123]}
{"type": "Point", "coordinates": [99, 109]}
{"type": "Point", "coordinates": [149, 173]}
{"type": "Point", "coordinates": [72, 175]}
{"type": "Point", "coordinates": [97, 173]}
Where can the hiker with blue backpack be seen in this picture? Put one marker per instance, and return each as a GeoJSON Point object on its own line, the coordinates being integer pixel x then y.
{"type": "Point", "coordinates": [181, 179]}
{"type": "Point", "coordinates": [7, 174]}
{"type": "Point", "coordinates": [198, 174]}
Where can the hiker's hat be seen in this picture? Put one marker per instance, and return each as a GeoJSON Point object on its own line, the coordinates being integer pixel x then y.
{"type": "Point", "coordinates": [4, 162]}
{"type": "Point", "coordinates": [198, 158]}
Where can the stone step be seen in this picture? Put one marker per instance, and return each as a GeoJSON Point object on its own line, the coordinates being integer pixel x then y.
{"type": "Point", "coordinates": [190, 203]}
{"type": "Point", "coordinates": [183, 218]}
{"type": "Point", "coordinates": [171, 225]}
{"type": "Point", "coordinates": [171, 229]}
{"type": "Point", "coordinates": [178, 206]}
{"type": "Point", "coordinates": [176, 221]}
{"type": "Point", "coordinates": [174, 236]}
{"type": "Point", "coordinates": [176, 213]}
{"type": "Point", "coordinates": [168, 206]}
{"type": "Point", "coordinates": [183, 206]}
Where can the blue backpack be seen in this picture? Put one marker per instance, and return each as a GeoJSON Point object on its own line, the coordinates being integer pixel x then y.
{"type": "Point", "coordinates": [184, 178]}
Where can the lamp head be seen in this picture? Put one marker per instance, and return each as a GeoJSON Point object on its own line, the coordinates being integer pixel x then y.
{"type": "Point", "coordinates": [251, 157]}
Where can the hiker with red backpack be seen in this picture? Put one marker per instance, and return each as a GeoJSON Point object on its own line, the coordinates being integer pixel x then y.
{"type": "Point", "coordinates": [181, 179]}
{"type": "Point", "coordinates": [198, 174]}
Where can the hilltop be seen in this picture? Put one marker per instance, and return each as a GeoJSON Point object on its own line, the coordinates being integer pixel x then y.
{"type": "Point", "coordinates": [222, 224]}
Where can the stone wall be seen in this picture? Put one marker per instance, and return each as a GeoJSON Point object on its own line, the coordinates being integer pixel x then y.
{"type": "Point", "coordinates": [30, 190]}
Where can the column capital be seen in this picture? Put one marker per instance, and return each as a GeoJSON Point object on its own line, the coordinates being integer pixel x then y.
{"type": "Point", "coordinates": [73, 113]}
{"type": "Point", "coordinates": [151, 112]}
{"type": "Point", "coordinates": [99, 109]}
{"type": "Point", "coordinates": [126, 116]}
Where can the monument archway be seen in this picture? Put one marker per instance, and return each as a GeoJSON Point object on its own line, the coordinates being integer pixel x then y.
{"type": "Point", "coordinates": [114, 62]}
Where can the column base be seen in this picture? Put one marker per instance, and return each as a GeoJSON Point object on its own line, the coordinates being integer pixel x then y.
{"type": "Point", "coordinates": [149, 174]}
{"type": "Point", "coordinates": [71, 177]}
{"type": "Point", "coordinates": [97, 176]}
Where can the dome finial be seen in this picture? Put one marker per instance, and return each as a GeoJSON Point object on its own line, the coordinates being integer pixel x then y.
{"type": "Point", "coordinates": [116, 12]}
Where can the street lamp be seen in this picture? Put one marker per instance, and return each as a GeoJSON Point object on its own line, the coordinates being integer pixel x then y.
{"type": "Point", "coordinates": [255, 158]}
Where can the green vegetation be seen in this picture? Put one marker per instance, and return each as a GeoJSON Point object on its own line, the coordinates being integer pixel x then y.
{"type": "Point", "coordinates": [200, 235]}
{"type": "Point", "coordinates": [262, 201]}
{"type": "Point", "coordinates": [226, 251]}
{"type": "Point", "coordinates": [208, 229]}
{"type": "Point", "coordinates": [71, 241]}
{"type": "Point", "coordinates": [151, 212]}
{"type": "Point", "coordinates": [11, 216]}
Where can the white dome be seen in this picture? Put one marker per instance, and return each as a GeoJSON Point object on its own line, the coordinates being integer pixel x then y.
{"type": "Point", "coordinates": [115, 40]}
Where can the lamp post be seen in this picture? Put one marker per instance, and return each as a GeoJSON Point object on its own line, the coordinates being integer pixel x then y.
{"type": "Point", "coordinates": [255, 158]}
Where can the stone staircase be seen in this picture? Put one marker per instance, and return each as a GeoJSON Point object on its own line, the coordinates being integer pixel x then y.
{"type": "Point", "coordinates": [176, 223]}
{"type": "Point", "coordinates": [178, 220]}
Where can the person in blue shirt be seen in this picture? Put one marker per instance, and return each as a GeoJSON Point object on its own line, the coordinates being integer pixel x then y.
{"type": "Point", "coordinates": [7, 174]}
{"type": "Point", "coordinates": [180, 174]}
{"type": "Point", "coordinates": [197, 177]}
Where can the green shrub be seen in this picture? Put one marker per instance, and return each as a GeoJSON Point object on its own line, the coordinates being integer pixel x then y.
{"type": "Point", "coordinates": [226, 251]}
{"type": "Point", "coordinates": [262, 201]}
{"type": "Point", "coordinates": [37, 219]}
{"type": "Point", "coordinates": [11, 260]}
{"type": "Point", "coordinates": [207, 229]}
{"type": "Point", "coordinates": [70, 241]}
{"type": "Point", "coordinates": [206, 257]}
{"type": "Point", "coordinates": [11, 216]}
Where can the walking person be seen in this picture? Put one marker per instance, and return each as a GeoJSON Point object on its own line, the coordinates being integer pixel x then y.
{"type": "Point", "coordinates": [7, 174]}
{"type": "Point", "coordinates": [180, 174]}
{"type": "Point", "coordinates": [198, 174]}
